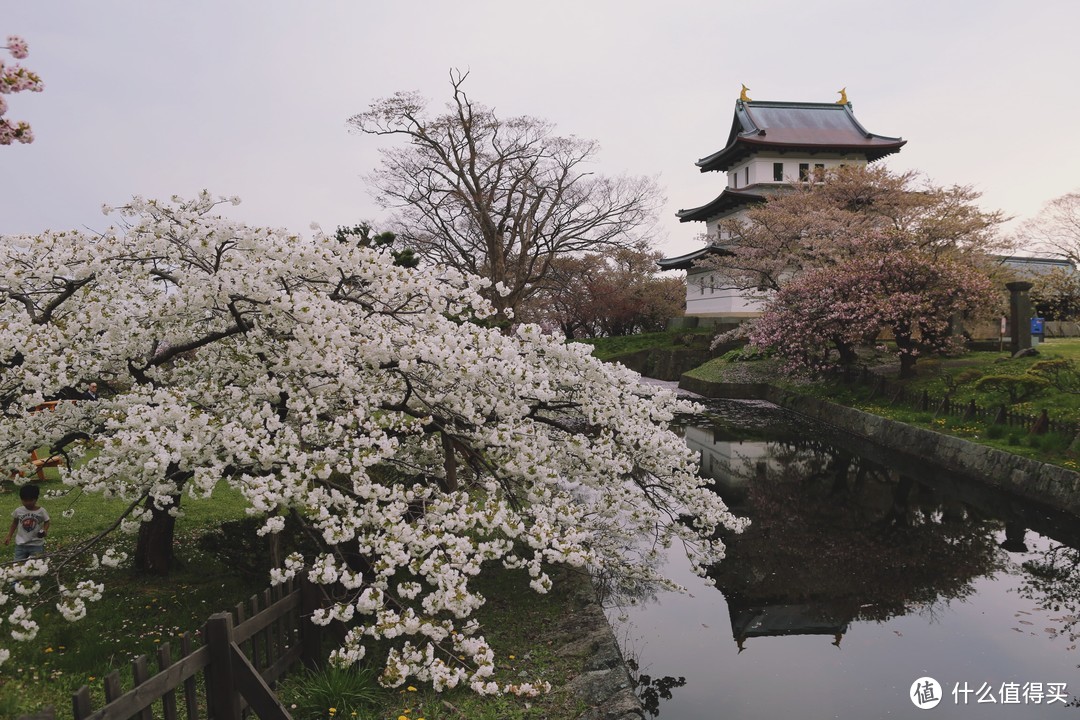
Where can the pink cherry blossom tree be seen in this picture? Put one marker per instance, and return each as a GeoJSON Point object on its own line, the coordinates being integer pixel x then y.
{"type": "Point", "coordinates": [13, 79]}
{"type": "Point", "coordinates": [855, 209]}
{"type": "Point", "coordinates": [914, 296]}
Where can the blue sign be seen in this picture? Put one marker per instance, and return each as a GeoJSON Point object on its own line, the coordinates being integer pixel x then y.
{"type": "Point", "coordinates": [1037, 326]}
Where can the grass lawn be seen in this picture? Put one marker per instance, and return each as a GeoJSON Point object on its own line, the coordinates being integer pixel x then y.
{"type": "Point", "coordinates": [139, 613]}
{"type": "Point", "coordinates": [607, 348]}
{"type": "Point", "coordinates": [136, 613]}
{"type": "Point", "coordinates": [522, 628]}
{"type": "Point", "coordinates": [959, 377]}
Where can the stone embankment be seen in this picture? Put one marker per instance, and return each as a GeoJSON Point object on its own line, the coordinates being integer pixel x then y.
{"type": "Point", "coordinates": [1050, 485]}
{"type": "Point", "coordinates": [604, 683]}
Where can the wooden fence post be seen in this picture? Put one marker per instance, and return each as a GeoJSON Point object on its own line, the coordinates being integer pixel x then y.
{"type": "Point", "coordinates": [969, 414]}
{"type": "Point", "coordinates": [1002, 415]}
{"type": "Point", "coordinates": [168, 700]}
{"type": "Point", "coordinates": [1042, 424]}
{"type": "Point", "coordinates": [140, 673]}
{"type": "Point", "coordinates": [924, 404]}
{"type": "Point", "coordinates": [222, 699]}
{"type": "Point", "coordinates": [236, 686]}
{"type": "Point", "coordinates": [80, 703]}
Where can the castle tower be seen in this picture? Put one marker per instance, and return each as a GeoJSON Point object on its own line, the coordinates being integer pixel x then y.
{"type": "Point", "coordinates": [770, 145]}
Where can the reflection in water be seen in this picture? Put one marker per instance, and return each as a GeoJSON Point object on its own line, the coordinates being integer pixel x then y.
{"type": "Point", "coordinates": [649, 690]}
{"type": "Point", "coordinates": [1053, 581]}
{"type": "Point", "coordinates": [863, 570]}
{"type": "Point", "coordinates": [837, 539]}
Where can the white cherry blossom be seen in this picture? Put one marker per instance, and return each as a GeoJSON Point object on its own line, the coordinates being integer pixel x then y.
{"type": "Point", "coordinates": [363, 399]}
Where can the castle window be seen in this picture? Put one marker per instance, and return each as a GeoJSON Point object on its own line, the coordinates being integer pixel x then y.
{"type": "Point", "coordinates": [804, 171]}
{"type": "Point", "coordinates": [778, 172]}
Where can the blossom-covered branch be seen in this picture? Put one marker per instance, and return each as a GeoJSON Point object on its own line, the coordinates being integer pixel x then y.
{"type": "Point", "coordinates": [13, 79]}
{"type": "Point", "coordinates": [328, 383]}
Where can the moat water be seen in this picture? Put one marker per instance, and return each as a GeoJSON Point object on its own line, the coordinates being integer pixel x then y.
{"type": "Point", "coordinates": [864, 571]}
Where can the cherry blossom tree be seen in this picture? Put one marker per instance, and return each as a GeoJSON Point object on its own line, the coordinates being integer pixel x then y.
{"type": "Point", "coordinates": [1056, 294]}
{"type": "Point", "coordinates": [808, 226]}
{"type": "Point", "coordinates": [910, 294]}
{"type": "Point", "coordinates": [501, 198]}
{"type": "Point", "coordinates": [357, 396]}
{"type": "Point", "coordinates": [613, 293]}
{"type": "Point", "coordinates": [13, 79]}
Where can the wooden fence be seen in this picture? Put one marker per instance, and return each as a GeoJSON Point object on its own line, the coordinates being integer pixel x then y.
{"type": "Point", "coordinates": [897, 393]}
{"type": "Point", "coordinates": [242, 655]}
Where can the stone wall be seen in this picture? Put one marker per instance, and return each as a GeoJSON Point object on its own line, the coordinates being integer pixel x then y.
{"type": "Point", "coordinates": [671, 363]}
{"type": "Point", "coordinates": [1051, 485]}
{"type": "Point", "coordinates": [604, 683]}
{"type": "Point", "coordinates": [666, 363]}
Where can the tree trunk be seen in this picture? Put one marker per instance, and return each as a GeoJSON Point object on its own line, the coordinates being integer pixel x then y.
{"type": "Point", "coordinates": [847, 352]}
{"type": "Point", "coordinates": [154, 550]}
{"type": "Point", "coordinates": [906, 346]}
{"type": "Point", "coordinates": [907, 366]}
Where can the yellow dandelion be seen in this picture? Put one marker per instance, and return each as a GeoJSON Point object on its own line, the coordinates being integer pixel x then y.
{"type": "Point", "coordinates": [510, 656]}
{"type": "Point", "coordinates": [402, 717]}
{"type": "Point", "coordinates": [411, 689]}
{"type": "Point", "coordinates": [48, 649]}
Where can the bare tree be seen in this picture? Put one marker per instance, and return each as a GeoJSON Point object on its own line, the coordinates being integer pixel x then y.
{"type": "Point", "coordinates": [499, 198]}
{"type": "Point", "coordinates": [1056, 229]}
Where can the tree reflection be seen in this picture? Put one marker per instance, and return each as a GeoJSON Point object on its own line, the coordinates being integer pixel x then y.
{"type": "Point", "coordinates": [1052, 580]}
{"type": "Point", "coordinates": [836, 538]}
{"type": "Point", "coordinates": [649, 690]}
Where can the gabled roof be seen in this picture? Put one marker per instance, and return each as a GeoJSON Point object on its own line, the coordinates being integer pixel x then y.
{"type": "Point", "coordinates": [764, 125]}
{"type": "Point", "coordinates": [725, 202]}
{"type": "Point", "coordinates": [687, 261]}
{"type": "Point", "coordinates": [1034, 265]}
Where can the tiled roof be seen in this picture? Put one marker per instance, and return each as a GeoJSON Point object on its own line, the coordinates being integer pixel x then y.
{"type": "Point", "coordinates": [796, 127]}
{"type": "Point", "coordinates": [685, 262]}
{"type": "Point", "coordinates": [726, 201]}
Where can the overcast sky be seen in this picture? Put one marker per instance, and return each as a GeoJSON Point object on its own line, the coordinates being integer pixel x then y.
{"type": "Point", "coordinates": [250, 98]}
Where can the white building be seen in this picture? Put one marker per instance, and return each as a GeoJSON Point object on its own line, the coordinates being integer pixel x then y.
{"type": "Point", "coordinates": [770, 145]}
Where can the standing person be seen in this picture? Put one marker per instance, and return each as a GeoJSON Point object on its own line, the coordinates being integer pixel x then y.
{"type": "Point", "coordinates": [91, 392]}
{"type": "Point", "coordinates": [29, 524]}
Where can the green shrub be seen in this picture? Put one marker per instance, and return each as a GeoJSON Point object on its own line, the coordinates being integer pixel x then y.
{"type": "Point", "coordinates": [1017, 388]}
{"type": "Point", "coordinates": [1061, 373]}
{"type": "Point", "coordinates": [995, 432]}
{"type": "Point", "coordinates": [311, 694]}
{"type": "Point", "coordinates": [967, 376]}
{"type": "Point", "coordinates": [747, 353]}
